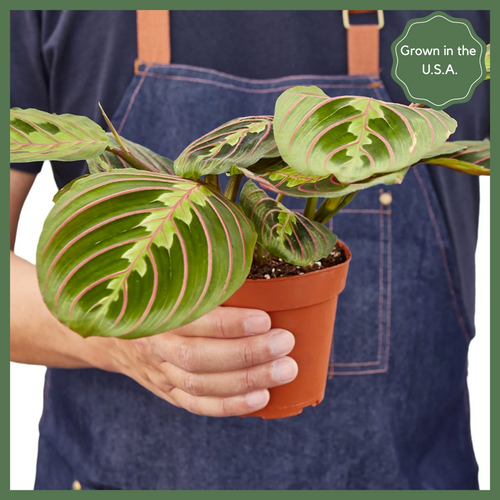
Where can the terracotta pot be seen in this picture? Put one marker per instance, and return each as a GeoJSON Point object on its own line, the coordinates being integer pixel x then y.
{"type": "Point", "coordinates": [306, 306]}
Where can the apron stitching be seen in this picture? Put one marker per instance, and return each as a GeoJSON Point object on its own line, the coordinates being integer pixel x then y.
{"type": "Point", "coordinates": [376, 89]}
{"type": "Point", "coordinates": [132, 99]}
{"type": "Point", "coordinates": [380, 302]}
{"type": "Point", "coordinates": [381, 287]}
{"type": "Point", "coordinates": [389, 291]}
{"type": "Point", "coordinates": [364, 211]}
{"type": "Point", "coordinates": [256, 80]}
{"type": "Point", "coordinates": [242, 89]}
{"type": "Point", "coordinates": [363, 372]}
{"type": "Point", "coordinates": [388, 299]}
{"type": "Point", "coordinates": [442, 248]}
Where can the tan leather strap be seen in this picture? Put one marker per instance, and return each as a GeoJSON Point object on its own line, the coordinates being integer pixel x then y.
{"type": "Point", "coordinates": [153, 36]}
{"type": "Point", "coordinates": [153, 42]}
{"type": "Point", "coordinates": [363, 47]}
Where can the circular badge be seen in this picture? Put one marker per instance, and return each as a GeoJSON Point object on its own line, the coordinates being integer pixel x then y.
{"type": "Point", "coordinates": [438, 60]}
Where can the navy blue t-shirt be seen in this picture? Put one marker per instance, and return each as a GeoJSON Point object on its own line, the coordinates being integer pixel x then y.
{"type": "Point", "coordinates": [68, 61]}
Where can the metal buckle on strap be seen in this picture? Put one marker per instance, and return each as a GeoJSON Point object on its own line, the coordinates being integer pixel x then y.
{"type": "Point", "coordinates": [347, 24]}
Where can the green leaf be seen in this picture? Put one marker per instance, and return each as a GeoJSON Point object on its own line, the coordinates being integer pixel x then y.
{"type": "Point", "coordinates": [275, 175]}
{"type": "Point", "coordinates": [39, 136]}
{"type": "Point", "coordinates": [67, 187]}
{"type": "Point", "coordinates": [130, 254]}
{"type": "Point", "coordinates": [473, 157]}
{"type": "Point", "coordinates": [447, 148]}
{"type": "Point", "coordinates": [240, 142]}
{"type": "Point", "coordinates": [284, 233]}
{"type": "Point", "coordinates": [487, 62]}
{"type": "Point", "coordinates": [353, 138]}
{"type": "Point", "coordinates": [108, 161]}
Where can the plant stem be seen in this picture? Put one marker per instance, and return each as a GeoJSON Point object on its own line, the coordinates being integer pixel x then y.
{"type": "Point", "coordinates": [280, 197]}
{"type": "Point", "coordinates": [310, 208]}
{"type": "Point", "coordinates": [331, 206]}
{"type": "Point", "coordinates": [328, 206]}
{"type": "Point", "coordinates": [233, 185]}
{"type": "Point", "coordinates": [124, 153]}
{"type": "Point", "coordinates": [131, 160]}
{"type": "Point", "coordinates": [113, 130]}
{"type": "Point", "coordinates": [260, 252]}
{"type": "Point", "coordinates": [213, 180]}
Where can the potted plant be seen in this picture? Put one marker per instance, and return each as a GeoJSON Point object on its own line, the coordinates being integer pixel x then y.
{"type": "Point", "coordinates": [145, 244]}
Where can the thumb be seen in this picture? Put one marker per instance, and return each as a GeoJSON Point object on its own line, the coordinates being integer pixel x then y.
{"type": "Point", "coordinates": [227, 322]}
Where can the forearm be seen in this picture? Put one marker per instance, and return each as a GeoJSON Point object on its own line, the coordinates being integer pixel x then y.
{"type": "Point", "coordinates": [234, 355]}
{"type": "Point", "coordinates": [36, 337]}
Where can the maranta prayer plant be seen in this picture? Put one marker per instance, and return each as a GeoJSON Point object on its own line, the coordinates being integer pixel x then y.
{"type": "Point", "coordinates": [144, 244]}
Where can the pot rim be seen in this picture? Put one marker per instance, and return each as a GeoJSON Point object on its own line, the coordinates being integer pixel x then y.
{"type": "Point", "coordinates": [314, 273]}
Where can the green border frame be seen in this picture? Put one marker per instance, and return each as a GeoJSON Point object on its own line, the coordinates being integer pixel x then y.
{"type": "Point", "coordinates": [494, 6]}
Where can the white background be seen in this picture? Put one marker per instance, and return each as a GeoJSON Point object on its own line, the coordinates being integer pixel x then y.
{"type": "Point", "coordinates": [27, 381]}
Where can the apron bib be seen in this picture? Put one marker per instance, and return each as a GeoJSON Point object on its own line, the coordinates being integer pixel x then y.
{"type": "Point", "coordinates": [395, 413]}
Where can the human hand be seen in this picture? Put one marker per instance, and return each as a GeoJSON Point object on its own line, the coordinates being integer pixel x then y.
{"type": "Point", "coordinates": [220, 365]}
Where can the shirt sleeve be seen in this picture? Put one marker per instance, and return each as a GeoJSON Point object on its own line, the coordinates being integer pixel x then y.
{"type": "Point", "coordinates": [28, 77]}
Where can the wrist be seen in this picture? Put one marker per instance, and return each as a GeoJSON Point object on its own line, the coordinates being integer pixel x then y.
{"type": "Point", "coordinates": [74, 349]}
{"type": "Point", "coordinates": [105, 353]}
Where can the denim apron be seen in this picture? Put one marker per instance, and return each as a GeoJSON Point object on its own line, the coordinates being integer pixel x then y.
{"type": "Point", "coordinates": [395, 413]}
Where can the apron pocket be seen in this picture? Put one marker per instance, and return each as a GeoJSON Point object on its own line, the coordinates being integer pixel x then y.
{"type": "Point", "coordinates": [361, 342]}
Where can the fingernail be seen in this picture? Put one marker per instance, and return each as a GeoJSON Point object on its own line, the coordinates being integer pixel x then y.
{"type": "Point", "coordinates": [257, 323]}
{"type": "Point", "coordinates": [257, 398]}
{"type": "Point", "coordinates": [282, 342]}
{"type": "Point", "coordinates": [284, 370]}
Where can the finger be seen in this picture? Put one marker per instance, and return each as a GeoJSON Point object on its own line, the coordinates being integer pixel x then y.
{"type": "Point", "coordinates": [222, 322]}
{"type": "Point", "coordinates": [207, 355]}
{"type": "Point", "coordinates": [233, 383]}
{"type": "Point", "coordinates": [156, 382]}
{"type": "Point", "coordinates": [227, 322]}
{"type": "Point", "coordinates": [150, 349]}
{"type": "Point", "coordinates": [211, 406]}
